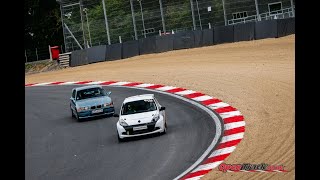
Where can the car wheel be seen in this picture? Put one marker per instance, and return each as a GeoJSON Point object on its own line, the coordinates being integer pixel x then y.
{"type": "Point", "coordinates": [72, 115]}
{"type": "Point", "coordinates": [77, 117]}
{"type": "Point", "coordinates": [119, 139]}
{"type": "Point", "coordinates": [165, 128]}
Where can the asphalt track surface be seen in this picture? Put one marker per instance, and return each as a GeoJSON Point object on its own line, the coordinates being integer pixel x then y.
{"type": "Point", "coordinates": [59, 147]}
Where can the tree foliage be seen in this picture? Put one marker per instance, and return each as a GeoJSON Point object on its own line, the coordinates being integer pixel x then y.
{"type": "Point", "coordinates": [42, 24]}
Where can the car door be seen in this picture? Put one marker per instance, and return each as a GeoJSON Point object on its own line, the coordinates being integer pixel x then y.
{"type": "Point", "coordinates": [72, 100]}
{"type": "Point", "coordinates": [163, 113]}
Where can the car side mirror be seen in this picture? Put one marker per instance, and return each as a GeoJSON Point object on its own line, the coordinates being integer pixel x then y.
{"type": "Point", "coordinates": [108, 93]}
{"type": "Point", "coordinates": [115, 115]}
{"type": "Point", "coordinates": [162, 108]}
{"type": "Point", "coordinates": [72, 99]}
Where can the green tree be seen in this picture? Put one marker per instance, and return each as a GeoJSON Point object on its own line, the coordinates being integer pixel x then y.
{"type": "Point", "coordinates": [42, 25]}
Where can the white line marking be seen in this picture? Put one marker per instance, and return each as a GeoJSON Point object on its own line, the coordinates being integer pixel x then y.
{"type": "Point", "coordinates": [229, 114]}
{"type": "Point", "coordinates": [43, 84]}
{"type": "Point", "coordinates": [195, 178]}
{"type": "Point", "coordinates": [166, 88]}
{"type": "Point", "coordinates": [185, 92]}
{"type": "Point", "coordinates": [119, 83]}
{"type": "Point", "coordinates": [234, 125]}
{"type": "Point", "coordinates": [202, 98]}
{"type": "Point", "coordinates": [95, 82]}
{"type": "Point", "coordinates": [207, 166]}
{"type": "Point", "coordinates": [222, 151]}
{"type": "Point", "coordinates": [218, 105]}
{"type": "Point", "coordinates": [144, 85]}
{"type": "Point", "coordinates": [67, 83]}
{"type": "Point", "coordinates": [232, 137]}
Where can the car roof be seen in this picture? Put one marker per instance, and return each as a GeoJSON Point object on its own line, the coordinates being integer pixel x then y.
{"type": "Point", "coordinates": [87, 87]}
{"type": "Point", "coordinates": [139, 97]}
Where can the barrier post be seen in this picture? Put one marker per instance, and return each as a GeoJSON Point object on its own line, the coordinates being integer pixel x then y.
{"type": "Point", "coordinates": [292, 9]}
{"type": "Point", "coordinates": [37, 54]}
{"type": "Point", "coordinates": [25, 54]}
{"type": "Point", "coordinates": [120, 39]}
{"type": "Point", "coordinates": [106, 21]}
{"type": "Point", "coordinates": [162, 18]}
{"type": "Point", "coordinates": [50, 53]}
{"type": "Point", "coordinates": [133, 21]}
{"type": "Point", "coordinates": [224, 13]}
{"type": "Point", "coordinates": [192, 13]}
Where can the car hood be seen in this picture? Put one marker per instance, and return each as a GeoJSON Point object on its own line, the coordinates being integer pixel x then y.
{"type": "Point", "coordinates": [133, 119]}
{"type": "Point", "coordinates": [93, 101]}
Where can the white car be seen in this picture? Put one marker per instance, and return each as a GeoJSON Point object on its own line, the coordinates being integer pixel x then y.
{"type": "Point", "coordinates": [141, 115]}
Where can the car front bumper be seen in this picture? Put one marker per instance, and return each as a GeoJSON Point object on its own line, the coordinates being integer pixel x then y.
{"type": "Point", "coordinates": [89, 113]}
{"type": "Point", "coordinates": [153, 127]}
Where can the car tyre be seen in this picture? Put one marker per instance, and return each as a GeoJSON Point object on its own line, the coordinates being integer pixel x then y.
{"type": "Point", "coordinates": [165, 128]}
{"type": "Point", "coordinates": [77, 117]}
{"type": "Point", "coordinates": [120, 140]}
{"type": "Point", "coordinates": [72, 115]}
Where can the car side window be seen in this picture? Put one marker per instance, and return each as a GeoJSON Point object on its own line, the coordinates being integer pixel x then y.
{"type": "Point", "coordinates": [157, 103]}
{"type": "Point", "coordinates": [73, 93]}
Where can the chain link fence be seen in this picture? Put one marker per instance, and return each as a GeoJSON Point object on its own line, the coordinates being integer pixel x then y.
{"type": "Point", "coordinates": [88, 23]}
{"type": "Point", "coordinates": [37, 54]}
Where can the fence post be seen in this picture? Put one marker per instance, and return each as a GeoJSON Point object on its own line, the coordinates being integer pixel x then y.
{"type": "Point", "coordinates": [62, 22]}
{"type": "Point", "coordinates": [50, 53]}
{"type": "Point", "coordinates": [159, 32]}
{"type": "Point", "coordinates": [120, 39]}
{"type": "Point", "coordinates": [192, 13]}
{"type": "Point", "coordinates": [199, 14]}
{"type": "Point", "coordinates": [25, 54]}
{"type": "Point", "coordinates": [224, 13]}
{"type": "Point", "coordinates": [133, 21]}
{"type": "Point", "coordinates": [162, 18]}
{"type": "Point", "coordinates": [82, 26]}
{"type": "Point", "coordinates": [37, 54]}
{"type": "Point", "coordinates": [292, 8]}
{"type": "Point", "coordinates": [257, 10]}
{"type": "Point", "coordinates": [106, 21]}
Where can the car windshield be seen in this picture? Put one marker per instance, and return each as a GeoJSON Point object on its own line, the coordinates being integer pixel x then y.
{"type": "Point", "coordinates": [90, 93]}
{"type": "Point", "coordinates": [138, 107]}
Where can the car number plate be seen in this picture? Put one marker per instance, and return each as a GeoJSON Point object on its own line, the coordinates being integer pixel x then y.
{"type": "Point", "coordinates": [139, 128]}
{"type": "Point", "coordinates": [97, 111]}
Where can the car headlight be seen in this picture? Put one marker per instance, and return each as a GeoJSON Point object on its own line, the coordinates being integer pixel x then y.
{"type": "Point", "coordinates": [122, 122]}
{"type": "Point", "coordinates": [106, 104]}
{"type": "Point", "coordinates": [156, 118]}
{"type": "Point", "coordinates": [82, 109]}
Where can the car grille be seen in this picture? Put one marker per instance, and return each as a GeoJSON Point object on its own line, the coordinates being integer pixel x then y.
{"type": "Point", "coordinates": [94, 107]}
{"type": "Point", "coordinates": [151, 127]}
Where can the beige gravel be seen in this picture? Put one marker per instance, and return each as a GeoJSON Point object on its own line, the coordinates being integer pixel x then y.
{"type": "Point", "coordinates": [256, 77]}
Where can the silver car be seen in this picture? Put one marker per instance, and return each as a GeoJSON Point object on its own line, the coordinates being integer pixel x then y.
{"type": "Point", "coordinates": [90, 101]}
